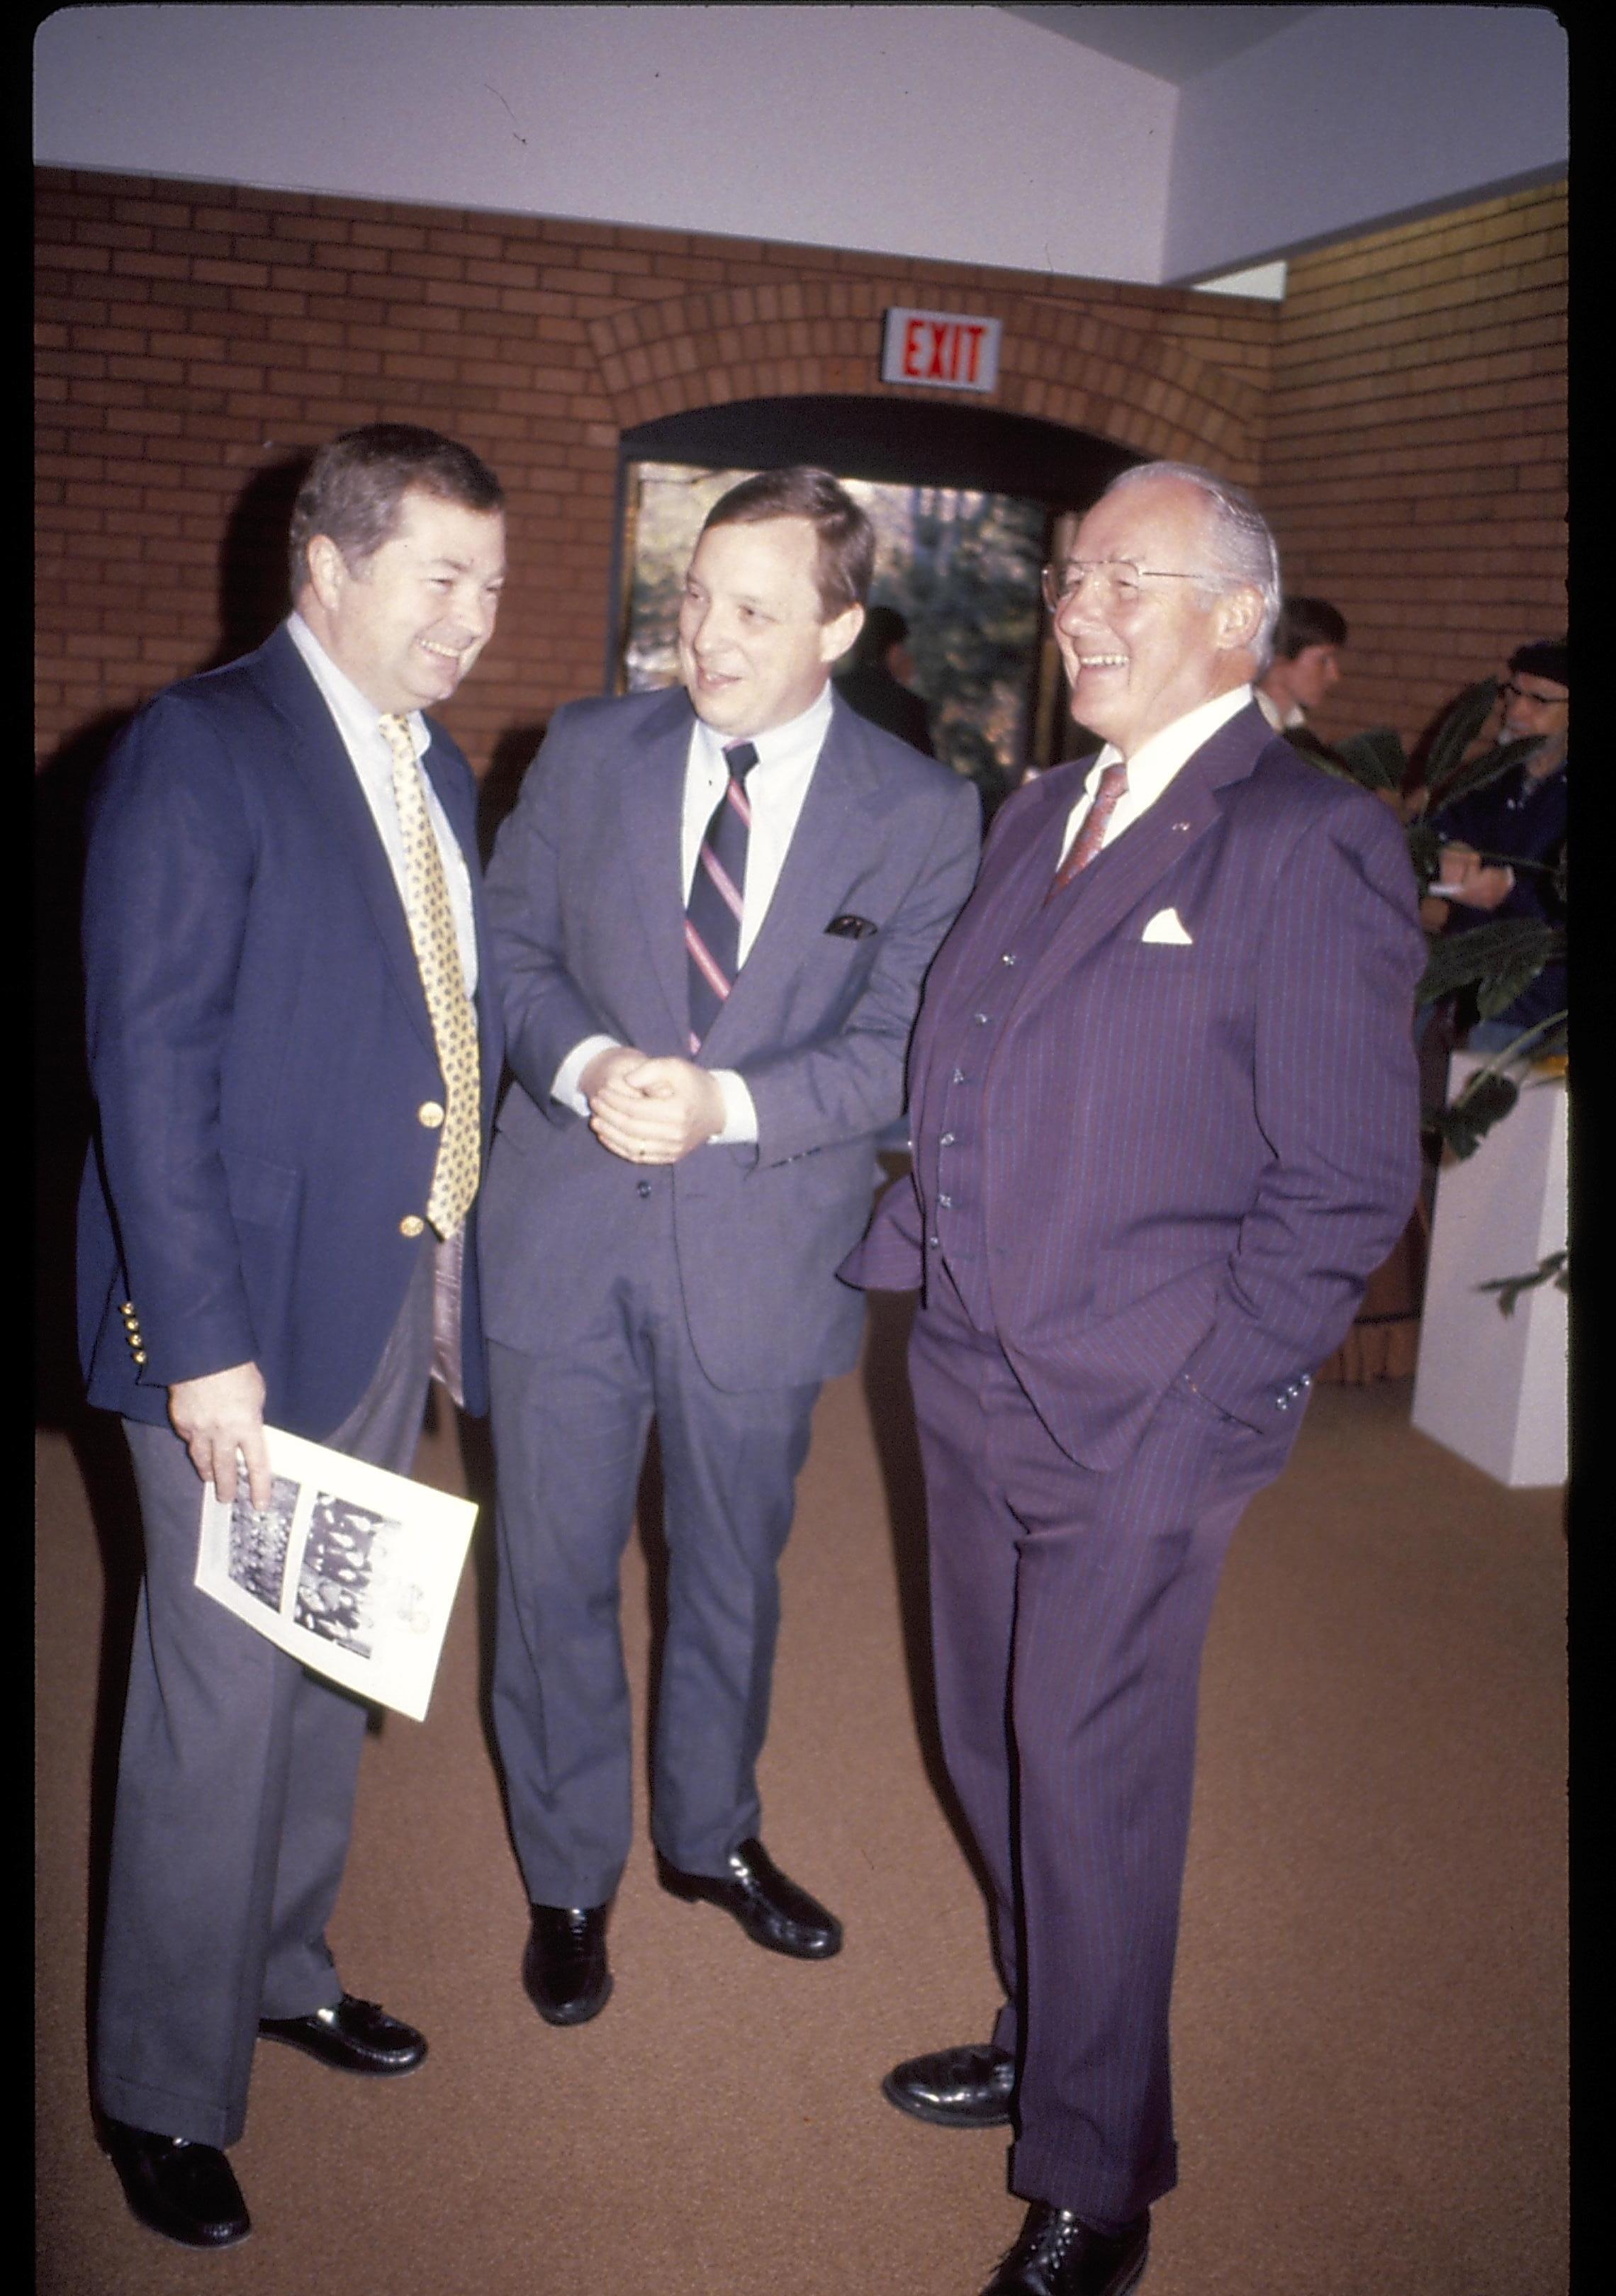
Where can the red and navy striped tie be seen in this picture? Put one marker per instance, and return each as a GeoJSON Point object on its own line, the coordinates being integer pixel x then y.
{"type": "Point", "coordinates": [712, 920]}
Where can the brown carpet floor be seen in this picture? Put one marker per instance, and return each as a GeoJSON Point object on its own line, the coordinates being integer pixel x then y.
{"type": "Point", "coordinates": [1370, 2017]}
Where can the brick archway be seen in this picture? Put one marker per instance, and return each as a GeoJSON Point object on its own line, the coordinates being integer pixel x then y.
{"type": "Point", "coordinates": [1144, 390]}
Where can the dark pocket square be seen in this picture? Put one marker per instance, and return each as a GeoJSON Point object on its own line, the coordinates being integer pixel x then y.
{"type": "Point", "coordinates": [849, 928]}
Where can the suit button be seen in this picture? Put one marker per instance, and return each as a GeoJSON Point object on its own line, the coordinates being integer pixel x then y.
{"type": "Point", "coordinates": [644, 1186]}
{"type": "Point", "coordinates": [946, 1203]}
{"type": "Point", "coordinates": [431, 1114]}
{"type": "Point", "coordinates": [981, 1019]}
{"type": "Point", "coordinates": [410, 1224]}
{"type": "Point", "coordinates": [958, 1077]}
{"type": "Point", "coordinates": [946, 1140]}
{"type": "Point", "coordinates": [1006, 959]}
{"type": "Point", "coordinates": [140, 1355]}
{"type": "Point", "coordinates": [933, 1243]}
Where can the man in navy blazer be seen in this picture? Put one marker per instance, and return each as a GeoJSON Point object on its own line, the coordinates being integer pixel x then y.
{"type": "Point", "coordinates": [712, 908]}
{"type": "Point", "coordinates": [272, 1229]}
{"type": "Point", "coordinates": [1165, 1125]}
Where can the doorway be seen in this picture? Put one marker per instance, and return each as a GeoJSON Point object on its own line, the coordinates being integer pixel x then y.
{"type": "Point", "coordinates": [967, 503]}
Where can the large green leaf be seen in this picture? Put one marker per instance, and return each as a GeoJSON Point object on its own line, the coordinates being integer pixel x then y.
{"type": "Point", "coordinates": [1457, 959]}
{"type": "Point", "coordinates": [1496, 992]}
{"type": "Point", "coordinates": [1377, 759]}
{"type": "Point", "coordinates": [1481, 773]}
{"type": "Point", "coordinates": [1457, 730]}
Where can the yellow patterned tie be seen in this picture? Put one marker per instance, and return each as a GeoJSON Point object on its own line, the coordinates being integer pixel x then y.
{"type": "Point", "coordinates": [432, 923]}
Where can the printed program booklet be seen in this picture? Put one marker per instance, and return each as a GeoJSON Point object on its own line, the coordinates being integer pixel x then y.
{"type": "Point", "coordinates": [349, 1569]}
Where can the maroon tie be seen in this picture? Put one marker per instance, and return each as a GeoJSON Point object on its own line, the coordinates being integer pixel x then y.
{"type": "Point", "coordinates": [1089, 839]}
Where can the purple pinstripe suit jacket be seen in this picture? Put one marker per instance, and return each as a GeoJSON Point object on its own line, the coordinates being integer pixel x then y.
{"type": "Point", "coordinates": [1153, 1156]}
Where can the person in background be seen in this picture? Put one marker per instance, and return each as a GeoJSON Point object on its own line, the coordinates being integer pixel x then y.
{"type": "Point", "coordinates": [1307, 662]}
{"type": "Point", "coordinates": [294, 1045]}
{"type": "Point", "coordinates": [876, 684]}
{"type": "Point", "coordinates": [1502, 846]}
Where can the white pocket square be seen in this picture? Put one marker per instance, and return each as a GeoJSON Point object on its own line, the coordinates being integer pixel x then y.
{"type": "Point", "coordinates": [1165, 926]}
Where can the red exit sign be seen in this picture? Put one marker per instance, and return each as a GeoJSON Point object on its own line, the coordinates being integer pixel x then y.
{"type": "Point", "coordinates": [945, 347]}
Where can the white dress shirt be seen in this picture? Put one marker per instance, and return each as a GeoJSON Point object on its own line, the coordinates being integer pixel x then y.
{"type": "Point", "coordinates": [1152, 768]}
{"type": "Point", "coordinates": [1281, 720]}
{"type": "Point", "coordinates": [359, 723]}
{"type": "Point", "coordinates": [777, 787]}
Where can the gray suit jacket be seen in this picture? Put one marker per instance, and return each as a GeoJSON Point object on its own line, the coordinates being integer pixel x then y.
{"type": "Point", "coordinates": [586, 911]}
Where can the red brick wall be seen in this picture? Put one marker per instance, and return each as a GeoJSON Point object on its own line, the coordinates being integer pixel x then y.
{"type": "Point", "coordinates": [1415, 468]}
{"type": "Point", "coordinates": [1404, 409]}
{"type": "Point", "coordinates": [194, 336]}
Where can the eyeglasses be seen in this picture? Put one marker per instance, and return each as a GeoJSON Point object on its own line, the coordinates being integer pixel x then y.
{"type": "Point", "coordinates": [1510, 692]}
{"type": "Point", "coordinates": [1120, 582]}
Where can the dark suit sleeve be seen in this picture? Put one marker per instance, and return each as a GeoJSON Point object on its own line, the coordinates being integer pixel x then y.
{"type": "Point", "coordinates": [169, 873]}
{"type": "Point", "coordinates": [851, 1084]}
{"type": "Point", "coordinates": [547, 1013]}
{"type": "Point", "coordinates": [1336, 1097]}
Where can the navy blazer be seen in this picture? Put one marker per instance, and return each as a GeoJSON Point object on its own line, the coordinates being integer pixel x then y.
{"type": "Point", "coordinates": [260, 1052]}
{"type": "Point", "coordinates": [1197, 1137]}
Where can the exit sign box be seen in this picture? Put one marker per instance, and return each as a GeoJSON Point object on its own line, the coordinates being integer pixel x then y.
{"type": "Point", "coordinates": [949, 349]}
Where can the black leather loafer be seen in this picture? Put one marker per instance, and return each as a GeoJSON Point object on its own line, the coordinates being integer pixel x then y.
{"type": "Point", "coordinates": [955, 2088]}
{"type": "Point", "coordinates": [772, 1910]}
{"type": "Point", "coordinates": [186, 2191]}
{"type": "Point", "coordinates": [355, 2036]}
{"type": "Point", "coordinates": [1057, 2254]}
{"type": "Point", "coordinates": [564, 1971]}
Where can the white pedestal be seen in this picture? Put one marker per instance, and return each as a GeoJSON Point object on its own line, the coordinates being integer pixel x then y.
{"type": "Point", "coordinates": [1492, 1386]}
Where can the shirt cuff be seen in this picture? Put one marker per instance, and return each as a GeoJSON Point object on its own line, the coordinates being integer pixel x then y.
{"type": "Point", "coordinates": [740, 1111]}
{"type": "Point", "coordinates": [565, 1086]}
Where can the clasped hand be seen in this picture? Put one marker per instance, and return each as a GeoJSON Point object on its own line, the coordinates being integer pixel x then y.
{"type": "Point", "coordinates": [649, 1112]}
{"type": "Point", "coordinates": [1479, 884]}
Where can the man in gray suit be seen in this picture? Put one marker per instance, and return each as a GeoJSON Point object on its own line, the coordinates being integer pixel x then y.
{"type": "Point", "coordinates": [714, 909]}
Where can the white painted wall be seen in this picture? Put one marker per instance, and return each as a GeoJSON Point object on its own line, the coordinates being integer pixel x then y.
{"type": "Point", "coordinates": [1358, 116]}
{"type": "Point", "coordinates": [1492, 1386]}
{"type": "Point", "coordinates": [959, 133]}
{"type": "Point", "coordinates": [954, 132]}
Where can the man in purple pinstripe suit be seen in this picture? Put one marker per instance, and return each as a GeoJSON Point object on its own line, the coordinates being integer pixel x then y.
{"type": "Point", "coordinates": [1165, 1122]}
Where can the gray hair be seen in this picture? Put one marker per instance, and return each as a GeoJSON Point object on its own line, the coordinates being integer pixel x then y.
{"type": "Point", "coordinates": [1243, 548]}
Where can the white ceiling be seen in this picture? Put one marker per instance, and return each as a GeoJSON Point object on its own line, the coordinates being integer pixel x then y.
{"type": "Point", "coordinates": [1151, 145]}
{"type": "Point", "coordinates": [1174, 43]}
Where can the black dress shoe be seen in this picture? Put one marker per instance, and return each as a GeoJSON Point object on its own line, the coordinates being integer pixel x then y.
{"type": "Point", "coordinates": [772, 1910]}
{"type": "Point", "coordinates": [355, 2036]}
{"type": "Point", "coordinates": [564, 1972]}
{"type": "Point", "coordinates": [956, 2088]}
{"type": "Point", "coordinates": [187, 2192]}
{"type": "Point", "coordinates": [1057, 2254]}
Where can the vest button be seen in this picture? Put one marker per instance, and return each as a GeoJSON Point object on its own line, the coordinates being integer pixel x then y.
{"type": "Point", "coordinates": [644, 1187]}
{"type": "Point", "coordinates": [410, 1224]}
